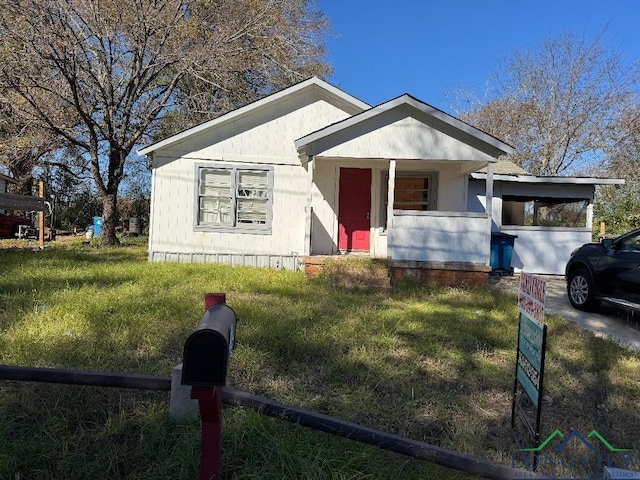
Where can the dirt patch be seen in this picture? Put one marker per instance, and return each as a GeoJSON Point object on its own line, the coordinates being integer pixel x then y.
{"type": "Point", "coordinates": [511, 283]}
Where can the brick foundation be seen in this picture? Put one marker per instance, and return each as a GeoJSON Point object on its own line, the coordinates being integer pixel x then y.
{"type": "Point", "coordinates": [313, 266]}
{"type": "Point", "coordinates": [450, 274]}
{"type": "Point", "coordinates": [448, 278]}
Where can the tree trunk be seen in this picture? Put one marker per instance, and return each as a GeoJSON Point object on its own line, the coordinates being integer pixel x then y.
{"type": "Point", "coordinates": [109, 219]}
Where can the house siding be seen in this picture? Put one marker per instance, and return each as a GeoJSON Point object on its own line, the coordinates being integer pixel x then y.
{"type": "Point", "coordinates": [545, 250]}
{"type": "Point", "coordinates": [324, 222]}
{"type": "Point", "coordinates": [264, 138]}
{"type": "Point", "coordinates": [439, 237]}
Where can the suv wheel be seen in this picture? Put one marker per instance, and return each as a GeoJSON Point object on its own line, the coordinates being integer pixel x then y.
{"type": "Point", "coordinates": [581, 292]}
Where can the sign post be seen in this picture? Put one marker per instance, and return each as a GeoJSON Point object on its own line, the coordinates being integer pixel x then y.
{"type": "Point", "coordinates": [532, 341]}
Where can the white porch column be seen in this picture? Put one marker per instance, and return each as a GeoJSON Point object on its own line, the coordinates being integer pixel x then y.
{"type": "Point", "coordinates": [590, 213]}
{"type": "Point", "coordinates": [309, 208]}
{"type": "Point", "coordinates": [391, 193]}
{"type": "Point", "coordinates": [489, 209]}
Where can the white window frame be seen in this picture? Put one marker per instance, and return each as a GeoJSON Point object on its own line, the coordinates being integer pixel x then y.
{"type": "Point", "coordinates": [234, 227]}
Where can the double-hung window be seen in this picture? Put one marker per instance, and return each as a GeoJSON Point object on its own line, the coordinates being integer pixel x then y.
{"type": "Point", "coordinates": [234, 198]}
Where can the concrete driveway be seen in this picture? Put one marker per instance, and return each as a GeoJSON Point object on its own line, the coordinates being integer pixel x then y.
{"type": "Point", "coordinates": [608, 322]}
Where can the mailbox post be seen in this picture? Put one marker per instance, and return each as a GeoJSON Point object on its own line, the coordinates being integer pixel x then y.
{"type": "Point", "coordinates": [205, 359]}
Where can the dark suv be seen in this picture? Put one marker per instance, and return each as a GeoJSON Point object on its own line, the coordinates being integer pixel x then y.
{"type": "Point", "coordinates": [607, 271]}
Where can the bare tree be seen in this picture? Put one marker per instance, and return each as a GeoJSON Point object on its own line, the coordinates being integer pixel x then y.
{"type": "Point", "coordinates": [624, 148]}
{"type": "Point", "coordinates": [23, 144]}
{"type": "Point", "coordinates": [120, 67]}
{"type": "Point", "coordinates": [556, 104]}
{"type": "Point", "coordinates": [619, 205]}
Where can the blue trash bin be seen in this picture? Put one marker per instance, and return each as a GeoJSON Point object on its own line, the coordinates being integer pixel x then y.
{"type": "Point", "coordinates": [501, 252]}
{"type": "Point", "coordinates": [97, 226]}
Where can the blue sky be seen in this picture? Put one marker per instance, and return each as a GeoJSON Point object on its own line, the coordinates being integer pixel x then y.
{"type": "Point", "coordinates": [429, 48]}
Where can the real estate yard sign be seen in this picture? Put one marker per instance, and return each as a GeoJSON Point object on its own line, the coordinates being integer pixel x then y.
{"type": "Point", "coordinates": [532, 339]}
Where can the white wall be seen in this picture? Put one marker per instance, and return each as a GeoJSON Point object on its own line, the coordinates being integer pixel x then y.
{"type": "Point", "coordinates": [545, 250]}
{"type": "Point", "coordinates": [172, 229]}
{"type": "Point", "coordinates": [264, 138]}
{"type": "Point", "coordinates": [266, 135]}
{"type": "Point", "coordinates": [325, 208]}
{"type": "Point", "coordinates": [439, 237]}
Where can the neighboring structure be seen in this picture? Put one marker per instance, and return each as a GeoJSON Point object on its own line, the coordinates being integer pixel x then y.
{"type": "Point", "coordinates": [312, 170]}
{"type": "Point", "coordinates": [551, 216]}
{"type": "Point", "coordinates": [4, 183]}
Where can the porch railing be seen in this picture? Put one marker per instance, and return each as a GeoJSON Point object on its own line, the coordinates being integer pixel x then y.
{"type": "Point", "coordinates": [439, 237]}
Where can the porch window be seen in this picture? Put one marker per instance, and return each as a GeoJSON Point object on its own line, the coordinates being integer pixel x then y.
{"type": "Point", "coordinates": [234, 198]}
{"type": "Point", "coordinates": [412, 191]}
{"type": "Point", "coordinates": [544, 212]}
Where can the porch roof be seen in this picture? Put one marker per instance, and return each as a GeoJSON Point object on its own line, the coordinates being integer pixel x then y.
{"type": "Point", "coordinates": [550, 180]}
{"type": "Point", "coordinates": [487, 147]}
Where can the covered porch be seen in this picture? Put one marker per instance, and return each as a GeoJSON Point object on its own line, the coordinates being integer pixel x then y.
{"type": "Point", "coordinates": [409, 212]}
{"type": "Point", "coordinates": [392, 183]}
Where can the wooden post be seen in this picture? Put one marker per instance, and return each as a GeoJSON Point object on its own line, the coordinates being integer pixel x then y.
{"type": "Point", "coordinates": [41, 215]}
{"type": "Point", "coordinates": [602, 229]}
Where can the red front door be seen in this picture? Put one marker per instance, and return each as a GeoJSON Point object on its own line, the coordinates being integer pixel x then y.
{"type": "Point", "coordinates": [354, 206]}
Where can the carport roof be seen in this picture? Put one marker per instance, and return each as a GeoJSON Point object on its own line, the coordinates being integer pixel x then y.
{"type": "Point", "coordinates": [550, 180]}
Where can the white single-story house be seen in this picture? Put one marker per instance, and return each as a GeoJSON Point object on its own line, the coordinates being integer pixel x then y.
{"type": "Point", "coordinates": [313, 171]}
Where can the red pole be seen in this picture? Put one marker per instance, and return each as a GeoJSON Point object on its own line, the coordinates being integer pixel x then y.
{"type": "Point", "coordinates": [210, 404]}
{"type": "Point", "coordinates": [211, 299]}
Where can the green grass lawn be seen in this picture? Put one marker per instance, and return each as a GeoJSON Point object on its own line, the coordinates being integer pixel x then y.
{"type": "Point", "coordinates": [433, 364]}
